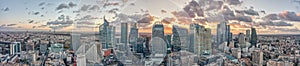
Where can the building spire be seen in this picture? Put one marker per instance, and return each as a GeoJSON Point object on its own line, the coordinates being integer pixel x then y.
{"type": "Point", "coordinates": [105, 21]}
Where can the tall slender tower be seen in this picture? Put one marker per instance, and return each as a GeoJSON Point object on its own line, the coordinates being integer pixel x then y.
{"type": "Point", "coordinates": [248, 35]}
{"type": "Point", "coordinates": [176, 39]}
{"type": "Point", "coordinates": [223, 31]}
{"type": "Point", "coordinates": [124, 34]}
{"type": "Point", "coordinates": [207, 41]}
{"type": "Point", "coordinates": [241, 39]}
{"type": "Point", "coordinates": [103, 33]}
{"type": "Point", "coordinates": [253, 40]}
{"type": "Point", "coordinates": [133, 36]}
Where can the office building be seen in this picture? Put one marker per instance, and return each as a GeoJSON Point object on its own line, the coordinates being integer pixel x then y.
{"type": "Point", "coordinates": [253, 40]}
{"type": "Point", "coordinates": [133, 37]}
{"type": "Point", "coordinates": [241, 40]}
{"type": "Point", "coordinates": [124, 34]}
{"type": "Point", "coordinates": [75, 41]}
{"type": "Point", "coordinates": [179, 38]}
{"type": "Point", "coordinates": [248, 36]}
{"type": "Point", "coordinates": [158, 30]}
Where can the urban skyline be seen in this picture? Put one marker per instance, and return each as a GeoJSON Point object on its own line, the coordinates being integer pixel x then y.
{"type": "Point", "coordinates": [150, 33]}
{"type": "Point", "coordinates": [72, 16]}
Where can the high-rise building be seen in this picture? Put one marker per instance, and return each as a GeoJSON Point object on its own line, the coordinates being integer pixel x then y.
{"type": "Point", "coordinates": [158, 43]}
{"type": "Point", "coordinates": [15, 48]}
{"type": "Point", "coordinates": [193, 36]}
{"type": "Point", "coordinates": [253, 40]}
{"type": "Point", "coordinates": [179, 37]}
{"type": "Point", "coordinates": [158, 30]}
{"type": "Point", "coordinates": [168, 39]}
{"type": "Point", "coordinates": [247, 36]}
{"type": "Point", "coordinates": [133, 37]}
{"type": "Point", "coordinates": [81, 60]}
{"type": "Point", "coordinates": [241, 40]}
{"type": "Point", "coordinates": [75, 43]}
{"type": "Point", "coordinates": [228, 36]}
{"type": "Point", "coordinates": [257, 57]}
{"type": "Point", "coordinates": [107, 35]}
{"type": "Point", "coordinates": [43, 48]}
{"type": "Point", "coordinates": [103, 33]}
{"type": "Point", "coordinates": [92, 55]}
{"type": "Point", "coordinates": [176, 42]}
{"type": "Point", "coordinates": [124, 34]}
{"type": "Point", "coordinates": [158, 49]}
{"type": "Point", "coordinates": [207, 41]}
{"type": "Point", "coordinates": [223, 31]}
{"type": "Point", "coordinates": [200, 39]}
{"type": "Point", "coordinates": [110, 43]}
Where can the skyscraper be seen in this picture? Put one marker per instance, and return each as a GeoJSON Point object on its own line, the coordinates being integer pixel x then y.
{"type": "Point", "coordinates": [200, 39]}
{"type": "Point", "coordinates": [241, 40]}
{"type": "Point", "coordinates": [168, 39]}
{"type": "Point", "coordinates": [124, 34]}
{"type": "Point", "coordinates": [103, 33]}
{"type": "Point", "coordinates": [75, 43]}
{"type": "Point", "coordinates": [228, 36]}
{"type": "Point", "coordinates": [207, 41]}
{"type": "Point", "coordinates": [176, 42]}
{"type": "Point", "coordinates": [110, 43]}
{"type": "Point", "coordinates": [248, 35]}
{"type": "Point", "coordinates": [158, 30]}
{"type": "Point", "coordinates": [133, 36]}
{"type": "Point", "coordinates": [158, 43]}
{"type": "Point", "coordinates": [223, 31]}
{"type": "Point", "coordinates": [253, 40]}
{"type": "Point", "coordinates": [15, 48]}
{"type": "Point", "coordinates": [193, 36]}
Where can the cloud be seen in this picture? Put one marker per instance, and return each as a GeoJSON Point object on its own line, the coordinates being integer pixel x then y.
{"type": "Point", "coordinates": [85, 23]}
{"type": "Point", "coordinates": [147, 19]}
{"type": "Point", "coordinates": [110, 4]}
{"type": "Point", "coordinates": [5, 9]}
{"type": "Point", "coordinates": [94, 7]}
{"type": "Point", "coordinates": [213, 5]}
{"type": "Point", "coordinates": [193, 9]}
{"type": "Point", "coordinates": [249, 12]}
{"type": "Point", "coordinates": [31, 21]}
{"type": "Point", "coordinates": [36, 13]}
{"type": "Point", "coordinates": [163, 11]}
{"type": "Point", "coordinates": [244, 18]}
{"type": "Point", "coordinates": [271, 17]}
{"type": "Point", "coordinates": [60, 22]}
{"type": "Point", "coordinates": [84, 7]}
{"type": "Point", "coordinates": [87, 17]}
{"type": "Point", "coordinates": [233, 2]}
{"type": "Point", "coordinates": [42, 3]}
{"type": "Point", "coordinates": [271, 23]}
{"type": "Point", "coordinates": [168, 20]}
{"type": "Point", "coordinates": [291, 16]}
{"type": "Point", "coordinates": [60, 11]}
{"type": "Point", "coordinates": [180, 14]}
{"type": "Point", "coordinates": [114, 10]}
{"type": "Point", "coordinates": [285, 29]}
{"type": "Point", "coordinates": [65, 6]}
{"type": "Point", "coordinates": [11, 24]}
{"type": "Point", "coordinates": [42, 26]}
{"type": "Point", "coordinates": [239, 25]}
{"type": "Point", "coordinates": [132, 4]}
{"type": "Point", "coordinates": [71, 4]}
{"type": "Point", "coordinates": [62, 6]}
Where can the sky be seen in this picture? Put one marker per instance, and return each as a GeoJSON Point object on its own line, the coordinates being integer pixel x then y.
{"type": "Point", "coordinates": [267, 16]}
